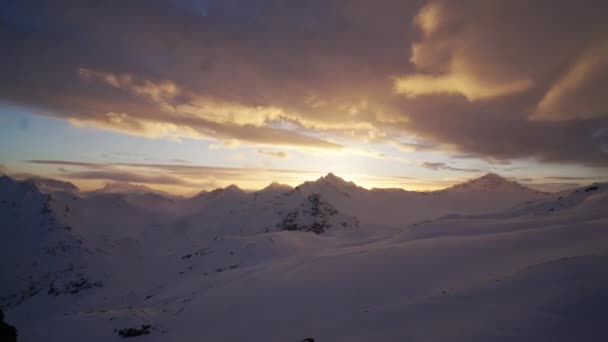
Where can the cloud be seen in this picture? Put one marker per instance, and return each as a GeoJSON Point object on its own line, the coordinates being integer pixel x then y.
{"type": "Point", "coordinates": [179, 160]}
{"type": "Point", "coordinates": [222, 79]}
{"type": "Point", "coordinates": [196, 117]}
{"type": "Point", "coordinates": [568, 178]}
{"type": "Point", "coordinates": [448, 61]}
{"type": "Point", "coordinates": [444, 166]}
{"type": "Point", "coordinates": [124, 176]}
{"type": "Point", "coordinates": [180, 178]}
{"type": "Point", "coordinates": [498, 80]}
{"type": "Point", "coordinates": [274, 154]}
{"type": "Point", "coordinates": [506, 80]}
{"type": "Point", "coordinates": [580, 92]}
{"type": "Point", "coordinates": [416, 146]}
{"type": "Point", "coordinates": [458, 80]}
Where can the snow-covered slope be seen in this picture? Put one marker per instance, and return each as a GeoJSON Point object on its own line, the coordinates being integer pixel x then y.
{"type": "Point", "coordinates": [39, 252]}
{"type": "Point", "coordinates": [508, 263]}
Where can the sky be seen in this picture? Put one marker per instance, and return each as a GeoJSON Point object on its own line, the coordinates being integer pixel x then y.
{"type": "Point", "coordinates": [187, 95]}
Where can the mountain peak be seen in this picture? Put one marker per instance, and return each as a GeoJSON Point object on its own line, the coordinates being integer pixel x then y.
{"type": "Point", "coordinates": [275, 186]}
{"type": "Point", "coordinates": [124, 188]}
{"type": "Point", "coordinates": [492, 176]}
{"type": "Point", "coordinates": [230, 189]}
{"type": "Point", "coordinates": [233, 187]}
{"type": "Point", "coordinates": [51, 185]}
{"type": "Point", "coordinates": [493, 179]}
{"type": "Point", "coordinates": [333, 179]}
{"type": "Point", "coordinates": [489, 181]}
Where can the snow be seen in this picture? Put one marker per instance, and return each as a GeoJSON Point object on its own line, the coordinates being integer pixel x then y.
{"type": "Point", "coordinates": [485, 260]}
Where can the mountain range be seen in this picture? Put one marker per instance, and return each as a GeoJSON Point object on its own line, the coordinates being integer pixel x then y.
{"type": "Point", "coordinates": [326, 258]}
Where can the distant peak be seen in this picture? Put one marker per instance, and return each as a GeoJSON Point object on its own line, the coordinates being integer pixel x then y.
{"type": "Point", "coordinates": [488, 181]}
{"type": "Point", "coordinates": [335, 181]}
{"type": "Point", "coordinates": [331, 178]}
{"type": "Point", "coordinates": [233, 187]}
{"type": "Point", "coordinates": [491, 178]}
{"type": "Point", "coordinates": [277, 186]}
{"type": "Point", "coordinates": [492, 175]}
{"type": "Point", "coordinates": [125, 188]}
{"type": "Point", "coordinates": [50, 185]}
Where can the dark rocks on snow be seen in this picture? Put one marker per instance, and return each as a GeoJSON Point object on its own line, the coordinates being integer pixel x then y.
{"type": "Point", "coordinates": [591, 188]}
{"type": "Point", "coordinates": [8, 333]}
{"type": "Point", "coordinates": [133, 332]}
{"type": "Point", "coordinates": [315, 209]}
{"type": "Point", "coordinates": [73, 287]}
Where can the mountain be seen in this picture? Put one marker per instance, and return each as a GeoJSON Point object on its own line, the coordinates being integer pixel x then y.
{"type": "Point", "coordinates": [48, 185]}
{"type": "Point", "coordinates": [488, 193]}
{"type": "Point", "coordinates": [390, 207]}
{"type": "Point", "coordinates": [327, 260]}
{"type": "Point", "coordinates": [124, 188]}
{"type": "Point", "coordinates": [275, 188]}
{"type": "Point", "coordinates": [330, 185]}
{"type": "Point", "coordinates": [39, 250]}
{"type": "Point", "coordinates": [588, 201]}
{"type": "Point", "coordinates": [490, 182]}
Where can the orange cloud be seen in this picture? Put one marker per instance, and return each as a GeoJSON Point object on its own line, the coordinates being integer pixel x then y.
{"type": "Point", "coordinates": [580, 92]}
{"type": "Point", "coordinates": [449, 63]}
{"type": "Point", "coordinates": [274, 154]}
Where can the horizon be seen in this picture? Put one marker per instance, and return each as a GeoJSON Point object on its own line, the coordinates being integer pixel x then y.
{"type": "Point", "coordinates": [105, 186]}
{"type": "Point", "coordinates": [201, 95]}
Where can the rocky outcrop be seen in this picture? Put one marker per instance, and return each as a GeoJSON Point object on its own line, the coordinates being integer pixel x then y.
{"type": "Point", "coordinates": [8, 333]}
{"type": "Point", "coordinates": [133, 332]}
{"type": "Point", "coordinates": [314, 215]}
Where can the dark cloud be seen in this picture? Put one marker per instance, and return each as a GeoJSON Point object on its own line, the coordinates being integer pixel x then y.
{"type": "Point", "coordinates": [497, 80]}
{"type": "Point", "coordinates": [166, 167]}
{"type": "Point", "coordinates": [444, 166]}
{"type": "Point", "coordinates": [68, 163]}
{"type": "Point", "coordinates": [504, 132]}
{"type": "Point", "coordinates": [417, 146]}
{"type": "Point", "coordinates": [575, 178]}
{"type": "Point", "coordinates": [505, 79]}
{"type": "Point", "coordinates": [183, 175]}
{"type": "Point", "coordinates": [124, 176]}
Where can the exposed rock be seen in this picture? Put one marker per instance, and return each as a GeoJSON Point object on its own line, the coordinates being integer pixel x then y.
{"type": "Point", "coordinates": [73, 287]}
{"type": "Point", "coordinates": [133, 332]}
{"type": "Point", "coordinates": [591, 188]}
{"type": "Point", "coordinates": [313, 215]}
{"type": "Point", "coordinates": [8, 333]}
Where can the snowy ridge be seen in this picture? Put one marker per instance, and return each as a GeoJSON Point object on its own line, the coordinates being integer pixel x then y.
{"type": "Point", "coordinates": [39, 250]}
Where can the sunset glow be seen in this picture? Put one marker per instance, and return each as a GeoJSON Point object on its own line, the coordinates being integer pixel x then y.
{"type": "Point", "coordinates": [413, 95]}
